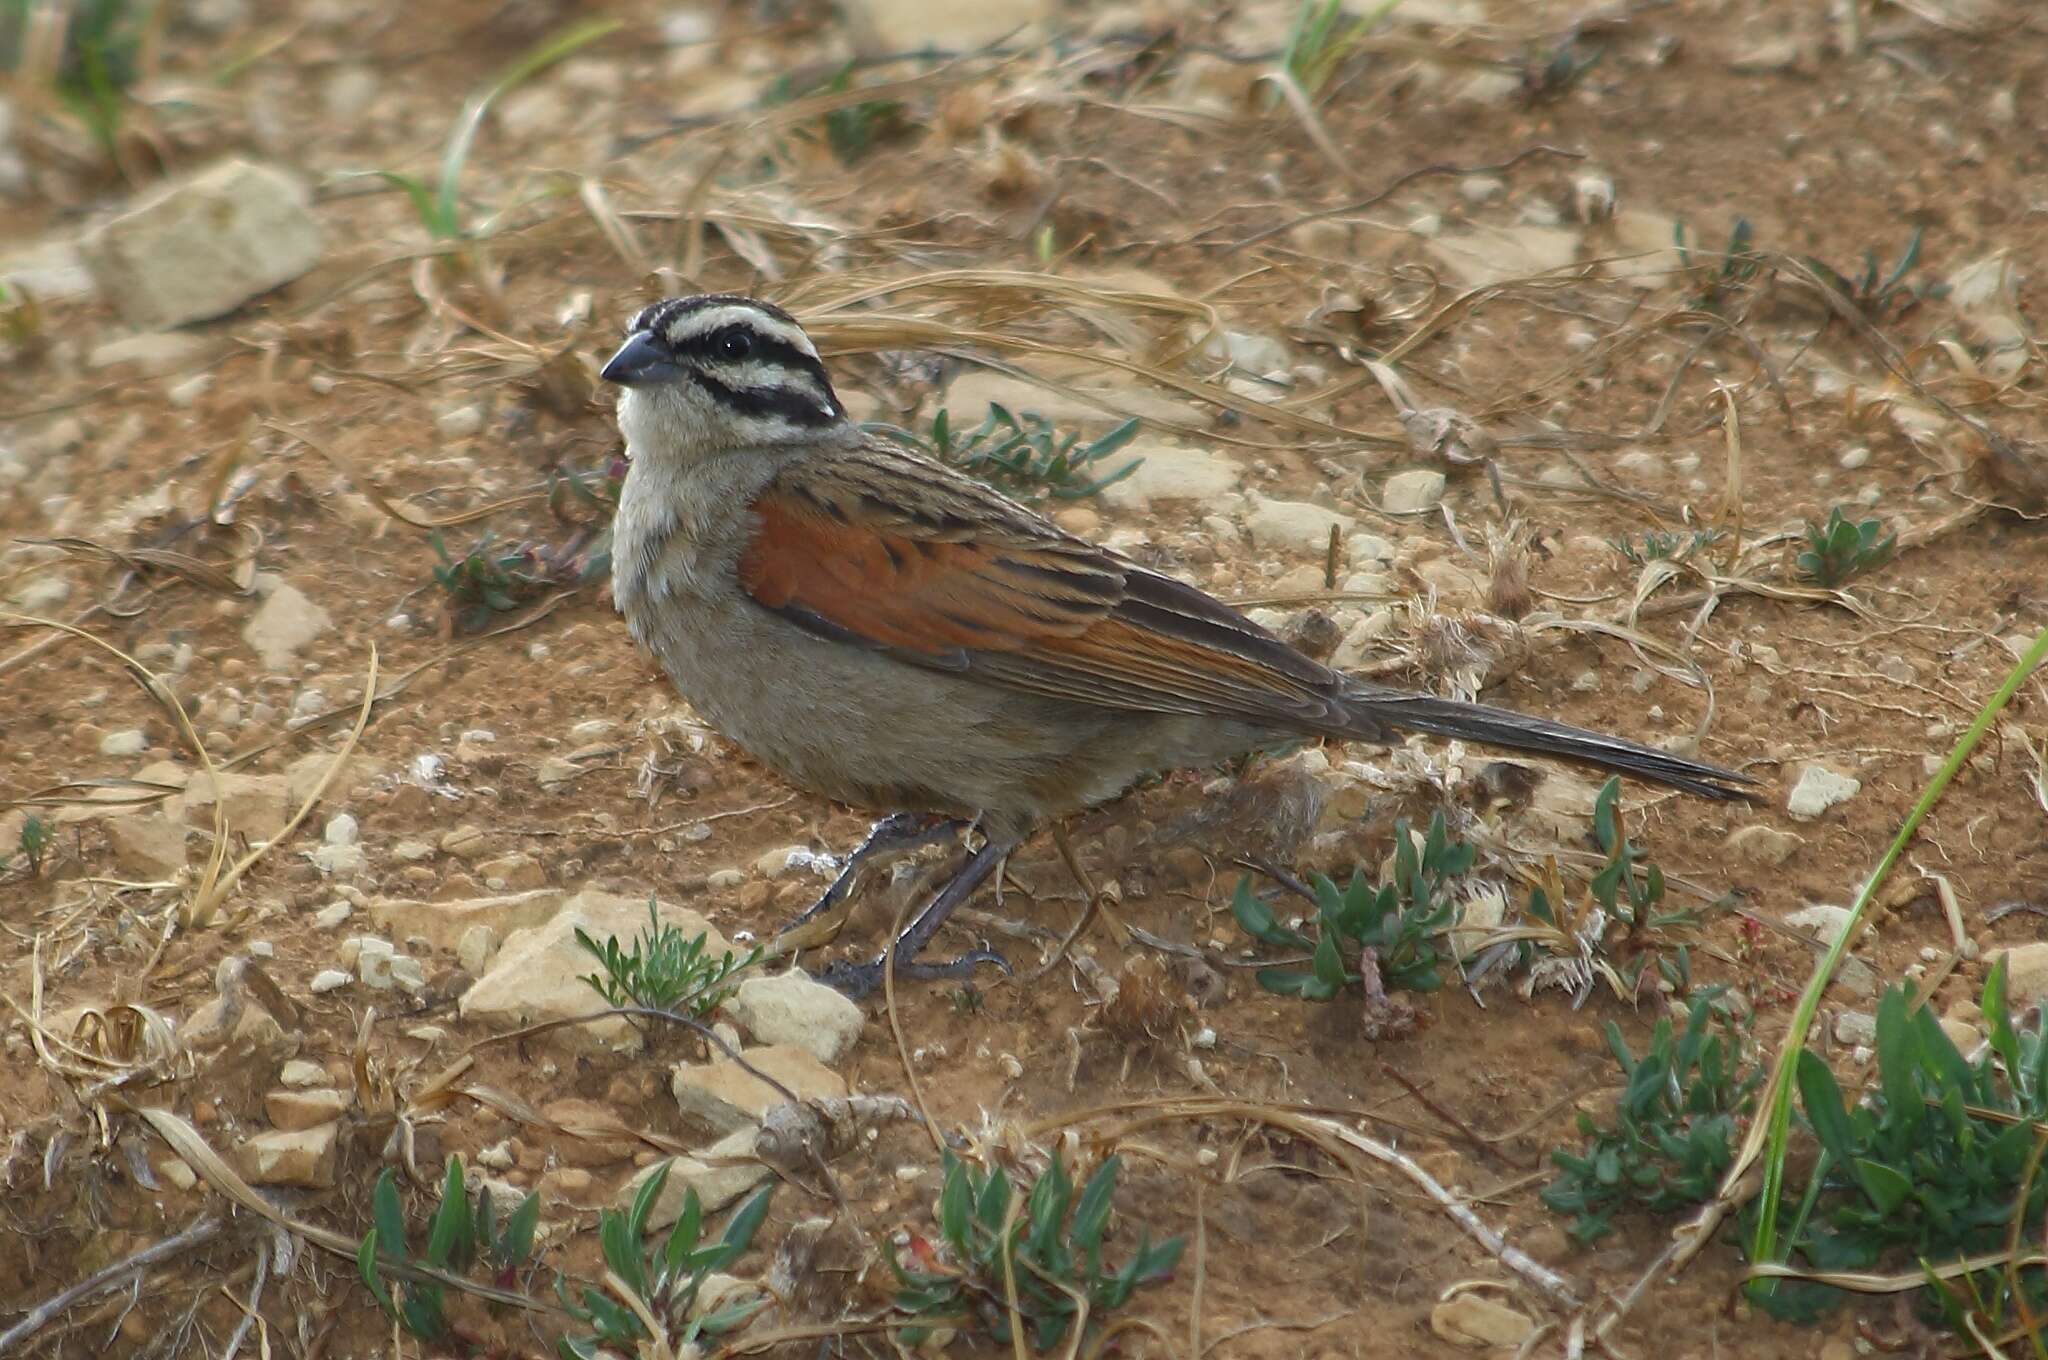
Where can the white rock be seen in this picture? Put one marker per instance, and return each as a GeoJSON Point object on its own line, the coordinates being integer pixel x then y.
{"type": "Point", "coordinates": [1412, 491]}
{"type": "Point", "coordinates": [341, 861]}
{"type": "Point", "coordinates": [1821, 920]}
{"type": "Point", "coordinates": [474, 950]}
{"type": "Point", "coordinates": [348, 92]}
{"type": "Point", "coordinates": [330, 980]}
{"type": "Point", "coordinates": [1170, 472]}
{"type": "Point", "coordinates": [203, 246]}
{"type": "Point", "coordinates": [131, 741]}
{"type": "Point", "coordinates": [1249, 351]}
{"type": "Point", "coordinates": [407, 973]}
{"type": "Point", "coordinates": [1819, 789]}
{"type": "Point", "coordinates": [881, 26]}
{"type": "Point", "coordinates": [154, 354]}
{"type": "Point", "coordinates": [1293, 524]}
{"type": "Point", "coordinates": [1367, 551]}
{"type": "Point", "coordinates": [342, 830]}
{"type": "Point", "coordinates": [794, 1008]}
{"type": "Point", "coordinates": [286, 622]}
{"type": "Point", "coordinates": [1856, 1027]}
{"type": "Point", "coordinates": [332, 915]}
{"type": "Point", "coordinates": [460, 423]}
{"type": "Point", "coordinates": [719, 1174]}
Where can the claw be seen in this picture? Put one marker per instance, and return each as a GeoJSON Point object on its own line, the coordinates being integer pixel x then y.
{"type": "Point", "coordinates": [863, 979]}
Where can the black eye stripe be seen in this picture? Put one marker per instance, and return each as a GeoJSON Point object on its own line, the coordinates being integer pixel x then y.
{"type": "Point", "coordinates": [797, 407]}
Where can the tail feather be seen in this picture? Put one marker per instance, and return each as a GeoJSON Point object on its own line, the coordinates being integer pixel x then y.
{"type": "Point", "coordinates": [1373, 709]}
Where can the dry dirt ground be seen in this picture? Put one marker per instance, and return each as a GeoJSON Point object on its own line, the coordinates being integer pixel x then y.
{"type": "Point", "coordinates": [1493, 221]}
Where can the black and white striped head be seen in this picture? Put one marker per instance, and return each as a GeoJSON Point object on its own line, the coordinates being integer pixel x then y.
{"type": "Point", "coordinates": [718, 370]}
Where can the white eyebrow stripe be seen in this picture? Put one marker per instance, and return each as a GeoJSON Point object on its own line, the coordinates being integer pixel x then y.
{"type": "Point", "coordinates": [712, 318]}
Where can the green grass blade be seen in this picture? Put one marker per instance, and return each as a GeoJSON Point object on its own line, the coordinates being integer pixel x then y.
{"type": "Point", "coordinates": [1774, 1128]}
{"type": "Point", "coordinates": [569, 41]}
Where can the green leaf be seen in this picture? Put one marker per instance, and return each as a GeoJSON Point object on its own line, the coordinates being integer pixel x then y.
{"type": "Point", "coordinates": [955, 1204]}
{"type": "Point", "coordinates": [621, 1246]}
{"type": "Point", "coordinates": [644, 1198]}
{"type": "Point", "coordinates": [1091, 1214]}
{"type": "Point", "coordinates": [518, 1240]}
{"type": "Point", "coordinates": [1328, 963]}
{"type": "Point", "coordinates": [1294, 982]}
{"type": "Point", "coordinates": [1258, 921]}
{"type": "Point", "coordinates": [366, 1266]}
{"type": "Point", "coordinates": [1887, 1188]}
{"type": "Point", "coordinates": [387, 1216]}
{"type": "Point", "coordinates": [1821, 1096]}
{"type": "Point", "coordinates": [450, 1226]}
{"type": "Point", "coordinates": [741, 1227]}
{"type": "Point", "coordinates": [1606, 818]}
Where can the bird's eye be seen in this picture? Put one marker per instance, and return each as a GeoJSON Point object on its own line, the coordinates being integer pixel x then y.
{"type": "Point", "coordinates": [734, 345]}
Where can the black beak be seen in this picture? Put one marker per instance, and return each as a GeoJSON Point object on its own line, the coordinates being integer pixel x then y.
{"type": "Point", "coordinates": [643, 359]}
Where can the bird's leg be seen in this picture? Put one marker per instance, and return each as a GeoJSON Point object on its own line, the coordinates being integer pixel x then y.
{"type": "Point", "coordinates": [897, 832]}
{"type": "Point", "coordinates": [859, 979]}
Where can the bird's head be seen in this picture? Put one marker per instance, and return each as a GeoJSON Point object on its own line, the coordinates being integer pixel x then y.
{"type": "Point", "coordinates": [719, 371]}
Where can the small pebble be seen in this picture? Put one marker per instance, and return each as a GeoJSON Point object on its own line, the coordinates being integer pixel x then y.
{"type": "Point", "coordinates": [330, 980]}
{"type": "Point", "coordinates": [342, 830]}
{"type": "Point", "coordinates": [132, 741]}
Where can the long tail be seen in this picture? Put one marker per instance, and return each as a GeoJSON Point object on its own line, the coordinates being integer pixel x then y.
{"type": "Point", "coordinates": [1375, 707]}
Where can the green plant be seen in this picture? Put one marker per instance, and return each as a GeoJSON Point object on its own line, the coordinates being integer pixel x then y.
{"type": "Point", "coordinates": [660, 1285]}
{"type": "Point", "coordinates": [1739, 263]}
{"type": "Point", "coordinates": [1674, 1128]}
{"type": "Point", "coordinates": [1940, 1159]}
{"type": "Point", "coordinates": [439, 205]}
{"type": "Point", "coordinates": [456, 1238]}
{"type": "Point", "coordinates": [1024, 457]}
{"type": "Point", "coordinates": [1843, 548]}
{"type": "Point", "coordinates": [665, 968]}
{"type": "Point", "coordinates": [1662, 547]}
{"type": "Point", "coordinates": [101, 59]}
{"type": "Point", "coordinates": [997, 1242]}
{"type": "Point", "coordinates": [34, 843]}
{"type": "Point", "coordinates": [1881, 296]}
{"type": "Point", "coordinates": [483, 582]}
{"type": "Point", "coordinates": [1397, 921]}
{"type": "Point", "coordinates": [1323, 39]}
{"type": "Point", "coordinates": [851, 130]}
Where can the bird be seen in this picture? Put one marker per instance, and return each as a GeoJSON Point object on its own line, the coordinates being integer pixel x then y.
{"type": "Point", "coordinates": [881, 629]}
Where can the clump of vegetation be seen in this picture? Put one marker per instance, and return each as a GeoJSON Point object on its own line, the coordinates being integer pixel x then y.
{"type": "Point", "coordinates": [1881, 296]}
{"type": "Point", "coordinates": [851, 130]}
{"type": "Point", "coordinates": [1940, 1161]}
{"type": "Point", "coordinates": [1323, 38]}
{"type": "Point", "coordinates": [1675, 1126]}
{"type": "Point", "coordinates": [1025, 457]}
{"type": "Point", "coordinates": [33, 843]}
{"type": "Point", "coordinates": [1396, 922]}
{"type": "Point", "coordinates": [660, 1285]}
{"type": "Point", "coordinates": [101, 59]}
{"type": "Point", "coordinates": [1843, 548]}
{"type": "Point", "coordinates": [489, 580]}
{"type": "Point", "coordinates": [457, 1238]}
{"type": "Point", "coordinates": [665, 970]}
{"type": "Point", "coordinates": [1656, 546]}
{"type": "Point", "coordinates": [1714, 284]}
{"type": "Point", "coordinates": [439, 205]}
{"type": "Point", "coordinates": [1043, 1248]}
{"type": "Point", "coordinates": [1628, 891]}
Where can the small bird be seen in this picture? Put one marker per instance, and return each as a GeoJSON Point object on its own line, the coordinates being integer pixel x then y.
{"type": "Point", "coordinates": [885, 631]}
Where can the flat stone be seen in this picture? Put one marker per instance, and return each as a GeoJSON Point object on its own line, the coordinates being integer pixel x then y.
{"type": "Point", "coordinates": [1297, 525]}
{"type": "Point", "coordinates": [1478, 1322]}
{"type": "Point", "coordinates": [881, 26]}
{"type": "Point", "coordinates": [1759, 843]}
{"type": "Point", "coordinates": [797, 1010]}
{"type": "Point", "coordinates": [254, 804]}
{"type": "Point", "coordinates": [130, 741]}
{"type": "Point", "coordinates": [1822, 921]}
{"type": "Point", "coordinates": [1170, 472]}
{"type": "Point", "coordinates": [444, 924]}
{"type": "Point", "coordinates": [724, 1096]}
{"type": "Point", "coordinates": [538, 972]}
{"type": "Point", "coordinates": [291, 1111]}
{"type": "Point", "coordinates": [153, 355]}
{"type": "Point", "coordinates": [147, 844]}
{"type": "Point", "coordinates": [202, 246]}
{"type": "Point", "coordinates": [285, 622]}
{"type": "Point", "coordinates": [1409, 492]}
{"type": "Point", "coordinates": [1818, 789]}
{"type": "Point", "coordinates": [720, 1174]}
{"type": "Point", "coordinates": [300, 1074]}
{"type": "Point", "coordinates": [305, 1157]}
{"type": "Point", "coordinates": [2026, 975]}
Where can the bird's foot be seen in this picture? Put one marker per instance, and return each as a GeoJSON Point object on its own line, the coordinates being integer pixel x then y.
{"type": "Point", "coordinates": [863, 979]}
